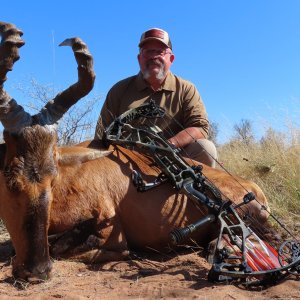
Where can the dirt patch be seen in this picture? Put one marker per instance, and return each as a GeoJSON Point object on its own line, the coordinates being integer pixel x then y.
{"type": "Point", "coordinates": [144, 277]}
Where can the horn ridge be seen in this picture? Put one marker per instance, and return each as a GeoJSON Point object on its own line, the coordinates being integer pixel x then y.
{"type": "Point", "coordinates": [80, 49]}
{"type": "Point", "coordinates": [11, 41]}
{"type": "Point", "coordinates": [12, 116]}
{"type": "Point", "coordinates": [55, 109]}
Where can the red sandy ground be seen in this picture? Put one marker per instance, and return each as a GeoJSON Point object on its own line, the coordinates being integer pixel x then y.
{"type": "Point", "coordinates": [179, 276]}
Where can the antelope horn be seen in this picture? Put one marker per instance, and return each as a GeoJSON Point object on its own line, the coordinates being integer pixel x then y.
{"type": "Point", "coordinates": [9, 48]}
{"type": "Point", "coordinates": [12, 115]}
{"type": "Point", "coordinates": [55, 109]}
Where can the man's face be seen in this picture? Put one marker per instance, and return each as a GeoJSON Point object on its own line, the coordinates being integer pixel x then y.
{"type": "Point", "coordinates": [155, 60]}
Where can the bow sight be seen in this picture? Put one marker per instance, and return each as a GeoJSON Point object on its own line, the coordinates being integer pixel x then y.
{"type": "Point", "coordinates": [238, 253]}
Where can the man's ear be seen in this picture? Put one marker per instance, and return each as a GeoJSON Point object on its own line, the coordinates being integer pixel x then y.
{"type": "Point", "coordinates": [172, 58]}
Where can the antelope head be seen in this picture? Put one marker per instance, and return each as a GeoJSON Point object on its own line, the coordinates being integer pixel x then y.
{"type": "Point", "coordinates": [30, 162]}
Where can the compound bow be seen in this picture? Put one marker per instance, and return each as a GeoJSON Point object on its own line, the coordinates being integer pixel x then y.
{"type": "Point", "coordinates": [240, 258]}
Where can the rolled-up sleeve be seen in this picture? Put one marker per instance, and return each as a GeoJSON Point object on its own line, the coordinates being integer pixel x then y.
{"type": "Point", "coordinates": [194, 111]}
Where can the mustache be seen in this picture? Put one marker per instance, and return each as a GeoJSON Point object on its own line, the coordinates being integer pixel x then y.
{"type": "Point", "coordinates": [156, 62]}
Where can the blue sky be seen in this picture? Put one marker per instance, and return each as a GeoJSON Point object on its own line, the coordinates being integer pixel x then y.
{"type": "Point", "coordinates": [243, 56]}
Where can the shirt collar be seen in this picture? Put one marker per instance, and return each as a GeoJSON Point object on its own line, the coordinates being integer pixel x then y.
{"type": "Point", "coordinates": [168, 85]}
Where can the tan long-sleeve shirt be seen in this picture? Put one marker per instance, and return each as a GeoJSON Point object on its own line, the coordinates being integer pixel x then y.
{"type": "Point", "coordinates": [180, 99]}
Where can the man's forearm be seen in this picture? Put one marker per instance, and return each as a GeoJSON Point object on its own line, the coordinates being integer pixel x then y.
{"type": "Point", "coordinates": [186, 137]}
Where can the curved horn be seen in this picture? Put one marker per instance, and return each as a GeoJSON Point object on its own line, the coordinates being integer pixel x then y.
{"type": "Point", "coordinates": [56, 108]}
{"type": "Point", "coordinates": [12, 115]}
{"type": "Point", "coordinates": [9, 48]}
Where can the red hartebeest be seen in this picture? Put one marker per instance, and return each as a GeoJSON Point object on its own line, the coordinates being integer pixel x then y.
{"type": "Point", "coordinates": [47, 189]}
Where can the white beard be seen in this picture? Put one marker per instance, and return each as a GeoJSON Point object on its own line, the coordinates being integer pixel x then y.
{"type": "Point", "coordinates": [159, 76]}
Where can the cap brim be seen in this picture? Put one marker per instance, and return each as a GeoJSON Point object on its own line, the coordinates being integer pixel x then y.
{"type": "Point", "coordinates": [152, 39]}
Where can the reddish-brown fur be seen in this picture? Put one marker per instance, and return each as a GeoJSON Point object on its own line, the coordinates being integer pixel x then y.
{"type": "Point", "coordinates": [101, 190]}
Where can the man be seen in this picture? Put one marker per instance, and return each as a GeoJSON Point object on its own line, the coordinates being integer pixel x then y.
{"type": "Point", "coordinates": [186, 124]}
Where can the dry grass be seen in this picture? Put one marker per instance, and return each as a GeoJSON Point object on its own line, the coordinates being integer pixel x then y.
{"type": "Point", "coordinates": [274, 164]}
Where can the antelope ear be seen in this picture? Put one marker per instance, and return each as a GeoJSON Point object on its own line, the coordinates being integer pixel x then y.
{"type": "Point", "coordinates": [77, 155]}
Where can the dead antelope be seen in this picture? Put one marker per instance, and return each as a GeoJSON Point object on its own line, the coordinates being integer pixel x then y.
{"type": "Point", "coordinates": [47, 189]}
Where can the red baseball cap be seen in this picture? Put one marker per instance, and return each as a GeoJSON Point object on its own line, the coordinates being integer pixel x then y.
{"type": "Point", "coordinates": [157, 35]}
